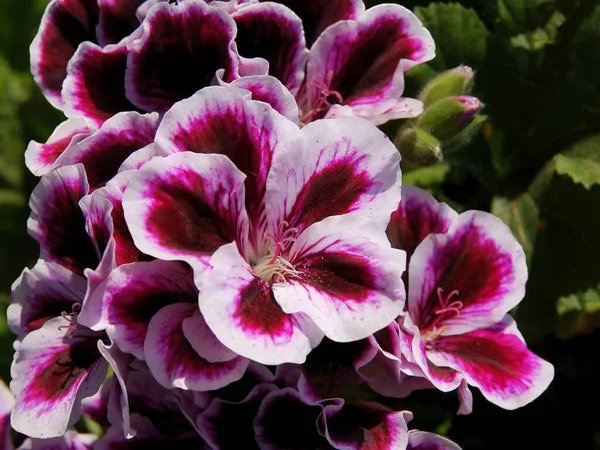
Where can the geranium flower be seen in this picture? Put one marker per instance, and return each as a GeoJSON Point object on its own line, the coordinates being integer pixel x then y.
{"type": "Point", "coordinates": [463, 278]}
{"type": "Point", "coordinates": [286, 247]}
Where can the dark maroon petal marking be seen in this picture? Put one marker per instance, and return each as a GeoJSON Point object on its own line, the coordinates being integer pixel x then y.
{"type": "Point", "coordinates": [125, 250]}
{"type": "Point", "coordinates": [334, 190]}
{"type": "Point", "coordinates": [182, 47]}
{"type": "Point", "coordinates": [342, 275]}
{"type": "Point", "coordinates": [65, 25]}
{"type": "Point", "coordinates": [117, 20]}
{"type": "Point", "coordinates": [275, 34]}
{"type": "Point", "coordinates": [95, 86]}
{"type": "Point", "coordinates": [317, 15]}
{"type": "Point", "coordinates": [181, 216]}
{"type": "Point", "coordinates": [259, 312]}
{"type": "Point", "coordinates": [286, 421]}
{"type": "Point", "coordinates": [470, 264]}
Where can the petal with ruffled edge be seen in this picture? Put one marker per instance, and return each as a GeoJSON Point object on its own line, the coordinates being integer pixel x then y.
{"type": "Point", "coordinates": [224, 121]}
{"type": "Point", "coordinates": [65, 24]}
{"type": "Point", "coordinates": [366, 426]}
{"type": "Point", "coordinates": [417, 216]}
{"type": "Point", "coordinates": [7, 402]}
{"type": "Point", "coordinates": [117, 19]}
{"type": "Point", "coordinates": [95, 84]}
{"type": "Point", "coordinates": [241, 311]}
{"type": "Point", "coordinates": [103, 152]}
{"type": "Point", "coordinates": [40, 158]}
{"type": "Point", "coordinates": [477, 266]}
{"type": "Point", "coordinates": [185, 206]}
{"type": "Point", "coordinates": [317, 15]}
{"type": "Point", "coordinates": [173, 360]}
{"type": "Point", "coordinates": [138, 158]}
{"type": "Point", "coordinates": [422, 440]}
{"type": "Point", "coordinates": [338, 167]}
{"type": "Point", "coordinates": [132, 294]}
{"type": "Point", "coordinates": [497, 361]}
{"type": "Point", "coordinates": [362, 62]}
{"type": "Point", "coordinates": [178, 53]}
{"type": "Point", "coordinates": [43, 293]}
{"type": "Point", "coordinates": [348, 282]}
{"type": "Point", "coordinates": [273, 32]}
{"type": "Point", "coordinates": [56, 221]}
{"type": "Point", "coordinates": [50, 375]}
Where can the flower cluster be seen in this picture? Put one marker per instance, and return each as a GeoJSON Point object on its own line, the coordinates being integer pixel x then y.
{"type": "Point", "coordinates": [227, 259]}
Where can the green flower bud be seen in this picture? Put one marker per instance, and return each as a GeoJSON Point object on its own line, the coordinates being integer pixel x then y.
{"type": "Point", "coordinates": [453, 82]}
{"type": "Point", "coordinates": [418, 148]}
{"type": "Point", "coordinates": [448, 117]}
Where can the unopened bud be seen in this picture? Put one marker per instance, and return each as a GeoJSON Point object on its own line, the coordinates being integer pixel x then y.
{"type": "Point", "coordinates": [453, 82]}
{"type": "Point", "coordinates": [418, 148]}
{"type": "Point", "coordinates": [448, 117]}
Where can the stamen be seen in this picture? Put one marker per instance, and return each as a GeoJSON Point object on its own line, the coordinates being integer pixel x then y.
{"type": "Point", "coordinates": [447, 308]}
{"type": "Point", "coordinates": [317, 82]}
{"type": "Point", "coordinates": [274, 266]}
{"type": "Point", "coordinates": [72, 319]}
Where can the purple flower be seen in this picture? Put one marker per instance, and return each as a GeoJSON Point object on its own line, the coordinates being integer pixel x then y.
{"type": "Point", "coordinates": [253, 212]}
{"type": "Point", "coordinates": [463, 278]}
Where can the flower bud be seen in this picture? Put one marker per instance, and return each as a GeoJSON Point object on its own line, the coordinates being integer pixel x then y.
{"type": "Point", "coordinates": [448, 117]}
{"type": "Point", "coordinates": [457, 81]}
{"type": "Point", "coordinates": [418, 148]}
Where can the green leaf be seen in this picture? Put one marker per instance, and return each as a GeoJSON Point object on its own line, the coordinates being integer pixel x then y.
{"type": "Point", "coordinates": [426, 177]}
{"type": "Point", "coordinates": [581, 162]}
{"type": "Point", "coordinates": [578, 313]}
{"type": "Point", "coordinates": [521, 215]}
{"type": "Point", "coordinates": [460, 35]}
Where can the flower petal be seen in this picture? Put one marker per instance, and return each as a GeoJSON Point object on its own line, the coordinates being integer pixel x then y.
{"type": "Point", "coordinates": [117, 19]}
{"type": "Point", "coordinates": [241, 311]}
{"type": "Point", "coordinates": [7, 402]}
{"type": "Point", "coordinates": [131, 296]}
{"type": "Point", "coordinates": [162, 71]}
{"type": "Point", "coordinates": [56, 221]}
{"type": "Point", "coordinates": [480, 259]}
{"type": "Point", "coordinates": [223, 120]}
{"type": "Point", "coordinates": [348, 284]}
{"type": "Point", "coordinates": [185, 206]}
{"type": "Point", "coordinates": [50, 376]}
{"type": "Point", "coordinates": [364, 61]}
{"type": "Point", "coordinates": [418, 215]}
{"type": "Point", "coordinates": [340, 166]}
{"type": "Point", "coordinates": [138, 158]}
{"type": "Point", "coordinates": [203, 340]}
{"type": "Point", "coordinates": [95, 84]}
{"type": "Point", "coordinates": [174, 362]}
{"type": "Point", "coordinates": [40, 158]}
{"type": "Point", "coordinates": [273, 32]}
{"type": "Point", "coordinates": [65, 24]}
{"type": "Point", "coordinates": [317, 15]}
{"type": "Point", "coordinates": [422, 440]}
{"type": "Point", "coordinates": [104, 151]}
{"type": "Point", "coordinates": [497, 361]}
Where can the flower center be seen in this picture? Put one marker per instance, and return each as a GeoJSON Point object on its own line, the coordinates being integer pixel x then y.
{"type": "Point", "coordinates": [275, 266]}
{"type": "Point", "coordinates": [328, 96]}
{"type": "Point", "coordinates": [446, 308]}
{"type": "Point", "coordinates": [72, 319]}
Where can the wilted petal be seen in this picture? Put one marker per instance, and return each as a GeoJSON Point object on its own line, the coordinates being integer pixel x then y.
{"type": "Point", "coordinates": [117, 20]}
{"type": "Point", "coordinates": [224, 121]}
{"type": "Point", "coordinates": [173, 360]}
{"type": "Point", "coordinates": [417, 216]}
{"type": "Point", "coordinates": [131, 296]}
{"type": "Point", "coordinates": [422, 440]}
{"type": "Point", "coordinates": [362, 62]}
{"type": "Point", "coordinates": [95, 84]}
{"type": "Point", "coordinates": [65, 24]}
{"type": "Point", "coordinates": [273, 32]}
{"type": "Point", "coordinates": [104, 151]}
{"type": "Point", "coordinates": [51, 373]}
{"type": "Point", "coordinates": [40, 158]}
{"type": "Point", "coordinates": [497, 361]}
{"type": "Point", "coordinates": [181, 48]}
{"type": "Point", "coordinates": [477, 266]}
{"type": "Point", "coordinates": [56, 221]}
{"type": "Point", "coordinates": [348, 283]}
{"type": "Point", "coordinates": [242, 312]}
{"type": "Point", "coordinates": [185, 206]}
{"type": "Point", "coordinates": [340, 166]}
{"type": "Point", "coordinates": [43, 293]}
